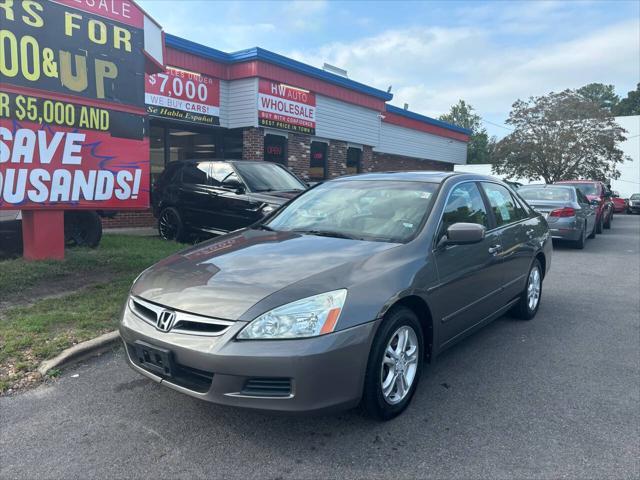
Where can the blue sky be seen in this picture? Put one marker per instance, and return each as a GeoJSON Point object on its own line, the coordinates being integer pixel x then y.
{"type": "Point", "coordinates": [433, 53]}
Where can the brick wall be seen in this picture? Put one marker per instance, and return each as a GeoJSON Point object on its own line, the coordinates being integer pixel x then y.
{"type": "Point", "coordinates": [252, 144]}
{"type": "Point", "coordinates": [337, 161]}
{"type": "Point", "coordinates": [383, 162]}
{"type": "Point", "coordinates": [299, 154]}
{"type": "Point", "coordinates": [367, 159]}
{"type": "Point", "coordinates": [126, 219]}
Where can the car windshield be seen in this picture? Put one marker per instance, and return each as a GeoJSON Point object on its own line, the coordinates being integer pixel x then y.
{"type": "Point", "coordinates": [587, 188]}
{"type": "Point", "coordinates": [544, 192]}
{"type": "Point", "coordinates": [635, 196]}
{"type": "Point", "coordinates": [267, 177]}
{"type": "Point", "coordinates": [387, 211]}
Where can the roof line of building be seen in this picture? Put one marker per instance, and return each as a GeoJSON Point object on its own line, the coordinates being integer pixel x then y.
{"type": "Point", "coordinates": [423, 118]}
{"type": "Point", "coordinates": [257, 53]}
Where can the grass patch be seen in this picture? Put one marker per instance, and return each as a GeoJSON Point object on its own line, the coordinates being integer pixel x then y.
{"type": "Point", "coordinates": [33, 333]}
{"type": "Point", "coordinates": [116, 253]}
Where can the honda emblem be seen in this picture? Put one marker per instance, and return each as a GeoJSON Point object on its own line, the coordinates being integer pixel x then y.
{"type": "Point", "coordinates": [165, 320]}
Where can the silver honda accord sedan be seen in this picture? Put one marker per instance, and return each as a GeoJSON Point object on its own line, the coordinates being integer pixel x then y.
{"type": "Point", "coordinates": [340, 297]}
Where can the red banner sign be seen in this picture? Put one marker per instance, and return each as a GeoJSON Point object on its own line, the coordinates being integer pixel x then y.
{"type": "Point", "coordinates": [72, 105]}
{"type": "Point", "coordinates": [119, 10]}
{"type": "Point", "coordinates": [45, 168]}
{"type": "Point", "coordinates": [286, 107]}
{"type": "Point", "coordinates": [183, 95]}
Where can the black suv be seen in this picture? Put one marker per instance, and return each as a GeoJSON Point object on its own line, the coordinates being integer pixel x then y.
{"type": "Point", "coordinates": [212, 197]}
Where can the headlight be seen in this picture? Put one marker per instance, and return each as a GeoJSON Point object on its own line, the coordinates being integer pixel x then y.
{"type": "Point", "coordinates": [309, 317]}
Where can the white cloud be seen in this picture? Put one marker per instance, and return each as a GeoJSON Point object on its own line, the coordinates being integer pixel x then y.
{"type": "Point", "coordinates": [431, 68]}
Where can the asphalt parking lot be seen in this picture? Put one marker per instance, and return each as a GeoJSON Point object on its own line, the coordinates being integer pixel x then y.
{"type": "Point", "coordinates": [555, 397]}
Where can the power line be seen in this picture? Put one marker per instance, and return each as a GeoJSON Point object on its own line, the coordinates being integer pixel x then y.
{"type": "Point", "coordinates": [496, 124]}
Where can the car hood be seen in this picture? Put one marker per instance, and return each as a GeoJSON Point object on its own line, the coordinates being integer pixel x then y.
{"type": "Point", "coordinates": [226, 276]}
{"type": "Point", "coordinates": [274, 198]}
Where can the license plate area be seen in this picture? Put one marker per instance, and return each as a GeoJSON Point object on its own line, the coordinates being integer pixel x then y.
{"type": "Point", "coordinates": [156, 360]}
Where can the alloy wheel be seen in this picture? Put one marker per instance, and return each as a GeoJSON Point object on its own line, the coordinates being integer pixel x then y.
{"type": "Point", "coordinates": [168, 226]}
{"type": "Point", "coordinates": [399, 365]}
{"type": "Point", "coordinates": [533, 289]}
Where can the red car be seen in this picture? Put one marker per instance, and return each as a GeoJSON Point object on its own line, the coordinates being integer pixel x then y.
{"type": "Point", "coordinates": [600, 196]}
{"type": "Point", "coordinates": [620, 205]}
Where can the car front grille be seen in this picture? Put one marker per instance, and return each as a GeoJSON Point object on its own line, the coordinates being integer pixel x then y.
{"type": "Point", "coordinates": [183, 376]}
{"type": "Point", "coordinates": [267, 387]}
{"type": "Point", "coordinates": [185, 323]}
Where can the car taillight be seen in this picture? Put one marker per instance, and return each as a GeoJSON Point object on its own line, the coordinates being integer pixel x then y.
{"type": "Point", "coordinates": [563, 212]}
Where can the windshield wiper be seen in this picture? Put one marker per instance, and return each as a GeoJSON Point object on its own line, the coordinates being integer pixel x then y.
{"type": "Point", "coordinates": [327, 233]}
{"type": "Point", "coordinates": [265, 190]}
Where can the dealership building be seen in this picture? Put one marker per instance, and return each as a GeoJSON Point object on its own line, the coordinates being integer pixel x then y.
{"type": "Point", "coordinates": [258, 105]}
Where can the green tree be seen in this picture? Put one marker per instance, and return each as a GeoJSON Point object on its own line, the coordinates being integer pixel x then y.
{"type": "Point", "coordinates": [463, 115]}
{"type": "Point", "coordinates": [560, 136]}
{"type": "Point", "coordinates": [603, 95]}
{"type": "Point", "coordinates": [629, 105]}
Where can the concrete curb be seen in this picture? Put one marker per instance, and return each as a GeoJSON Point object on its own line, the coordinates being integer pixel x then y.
{"type": "Point", "coordinates": [81, 351]}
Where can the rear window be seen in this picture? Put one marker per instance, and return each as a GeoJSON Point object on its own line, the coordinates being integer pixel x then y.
{"type": "Point", "coordinates": [587, 188]}
{"type": "Point", "coordinates": [547, 193]}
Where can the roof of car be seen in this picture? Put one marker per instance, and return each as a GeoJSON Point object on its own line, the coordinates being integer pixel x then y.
{"type": "Point", "coordinates": [197, 160]}
{"type": "Point", "coordinates": [549, 185]}
{"type": "Point", "coordinates": [578, 181]}
{"type": "Point", "coordinates": [415, 176]}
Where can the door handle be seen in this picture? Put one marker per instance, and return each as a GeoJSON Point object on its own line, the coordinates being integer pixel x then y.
{"type": "Point", "coordinates": [531, 232]}
{"type": "Point", "coordinates": [494, 249]}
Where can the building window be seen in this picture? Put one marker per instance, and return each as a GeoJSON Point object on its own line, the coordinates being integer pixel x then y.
{"type": "Point", "coordinates": [157, 152]}
{"type": "Point", "coordinates": [354, 160]}
{"type": "Point", "coordinates": [318, 163]}
{"type": "Point", "coordinates": [168, 142]}
{"type": "Point", "coordinates": [191, 144]}
{"type": "Point", "coordinates": [275, 149]}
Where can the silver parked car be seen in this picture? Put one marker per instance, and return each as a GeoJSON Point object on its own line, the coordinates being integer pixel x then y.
{"type": "Point", "coordinates": [569, 213]}
{"type": "Point", "coordinates": [634, 203]}
{"type": "Point", "coordinates": [341, 295]}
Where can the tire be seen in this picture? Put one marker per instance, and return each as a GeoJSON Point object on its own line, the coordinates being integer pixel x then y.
{"type": "Point", "coordinates": [523, 309]}
{"type": "Point", "coordinates": [593, 232]}
{"type": "Point", "coordinates": [580, 243]}
{"type": "Point", "coordinates": [82, 229]}
{"type": "Point", "coordinates": [607, 223]}
{"type": "Point", "coordinates": [599, 225]}
{"type": "Point", "coordinates": [387, 403]}
{"type": "Point", "coordinates": [170, 226]}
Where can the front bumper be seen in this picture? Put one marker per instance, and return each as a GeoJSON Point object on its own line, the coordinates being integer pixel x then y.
{"type": "Point", "coordinates": [325, 372]}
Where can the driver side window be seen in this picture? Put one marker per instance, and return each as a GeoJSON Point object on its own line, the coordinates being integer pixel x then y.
{"type": "Point", "coordinates": [464, 204]}
{"type": "Point", "coordinates": [222, 173]}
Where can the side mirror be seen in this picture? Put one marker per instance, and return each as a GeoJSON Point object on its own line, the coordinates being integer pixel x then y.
{"type": "Point", "coordinates": [463, 234]}
{"type": "Point", "coordinates": [232, 184]}
{"type": "Point", "coordinates": [595, 202]}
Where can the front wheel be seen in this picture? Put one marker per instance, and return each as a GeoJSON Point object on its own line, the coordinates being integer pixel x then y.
{"type": "Point", "coordinates": [82, 228]}
{"type": "Point", "coordinates": [170, 226]}
{"type": "Point", "coordinates": [395, 365]}
{"type": "Point", "coordinates": [529, 301]}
